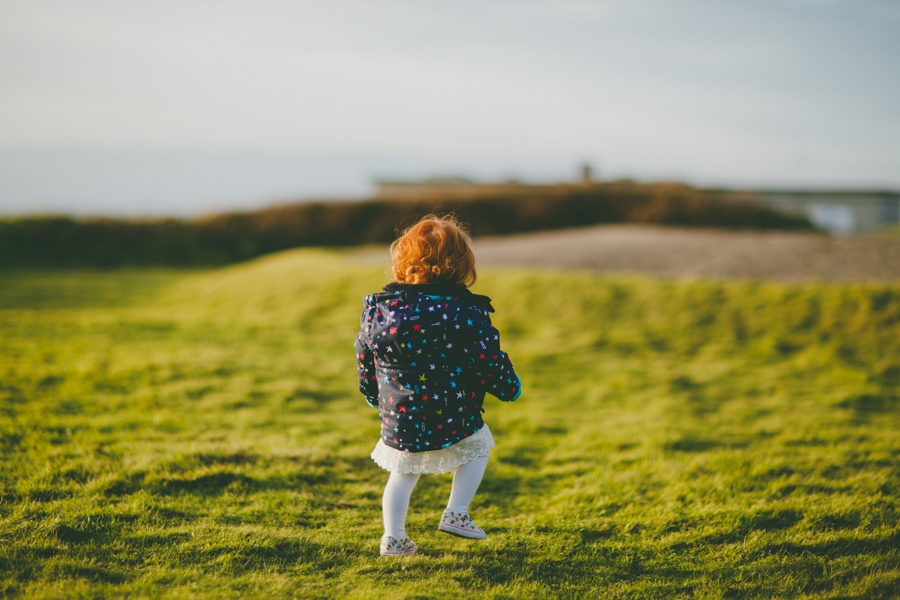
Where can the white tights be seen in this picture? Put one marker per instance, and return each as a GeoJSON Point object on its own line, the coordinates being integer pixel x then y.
{"type": "Point", "coordinates": [399, 488]}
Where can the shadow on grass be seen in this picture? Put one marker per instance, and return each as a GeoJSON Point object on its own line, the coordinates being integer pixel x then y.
{"type": "Point", "coordinates": [155, 540]}
{"type": "Point", "coordinates": [847, 545]}
{"type": "Point", "coordinates": [96, 527]}
{"type": "Point", "coordinates": [871, 404]}
{"type": "Point", "coordinates": [280, 554]}
{"type": "Point", "coordinates": [78, 571]}
{"type": "Point", "coordinates": [691, 443]}
{"type": "Point", "coordinates": [886, 589]}
{"type": "Point", "coordinates": [221, 481]}
{"type": "Point", "coordinates": [215, 477]}
{"type": "Point", "coordinates": [736, 530]}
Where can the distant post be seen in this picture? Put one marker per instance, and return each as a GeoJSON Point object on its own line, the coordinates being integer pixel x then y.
{"type": "Point", "coordinates": [587, 174]}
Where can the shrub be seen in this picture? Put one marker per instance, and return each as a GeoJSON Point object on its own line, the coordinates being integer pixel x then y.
{"type": "Point", "coordinates": [62, 242]}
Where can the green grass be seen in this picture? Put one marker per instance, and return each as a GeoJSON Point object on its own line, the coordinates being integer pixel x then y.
{"type": "Point", "coordinates": [170, 434]}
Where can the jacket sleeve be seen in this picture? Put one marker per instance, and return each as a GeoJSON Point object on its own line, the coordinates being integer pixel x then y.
{"type": "Point", "coordinates": [493, 371]}
{"type": "Point", "coordinates": [365, 369]}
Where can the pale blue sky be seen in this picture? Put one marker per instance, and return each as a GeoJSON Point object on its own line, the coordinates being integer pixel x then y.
{"type": "Point", "coordinates": [179, 107]}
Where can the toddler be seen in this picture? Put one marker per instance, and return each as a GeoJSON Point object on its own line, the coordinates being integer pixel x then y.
{"type": "Point", "coordinates": [426, 355]}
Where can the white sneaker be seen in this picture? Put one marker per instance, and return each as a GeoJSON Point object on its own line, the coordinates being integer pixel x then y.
{"type": "Point", "coordinates": [460, 524]}
{"type": "Point", "coordinates": [391, 546]}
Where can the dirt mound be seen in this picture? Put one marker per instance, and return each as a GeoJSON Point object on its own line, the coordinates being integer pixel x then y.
{"type": "Point", "coordinates": [700, 252]}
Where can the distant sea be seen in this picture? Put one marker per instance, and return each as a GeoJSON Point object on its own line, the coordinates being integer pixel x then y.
{"type": "Point", "coordinates": [124, 182]}
{"type": "Point", "coordinates": [182, 183]}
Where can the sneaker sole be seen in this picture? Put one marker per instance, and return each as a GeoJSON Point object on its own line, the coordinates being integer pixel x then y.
{"type": "Point", "coordinates": [407, 553]}
{"type": "Point", "coordinates": [460, 532]}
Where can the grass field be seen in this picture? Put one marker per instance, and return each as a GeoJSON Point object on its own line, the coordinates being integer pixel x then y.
{"type": "Point", "coordinates": [174, 434]}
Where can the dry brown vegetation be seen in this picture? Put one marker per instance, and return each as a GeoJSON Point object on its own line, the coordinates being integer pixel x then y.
{"type": "Point", "coordinates": [62, 242]}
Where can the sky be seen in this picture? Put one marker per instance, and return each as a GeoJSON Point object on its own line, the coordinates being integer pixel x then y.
{"type": "Point", "coordinates": [184, 107]}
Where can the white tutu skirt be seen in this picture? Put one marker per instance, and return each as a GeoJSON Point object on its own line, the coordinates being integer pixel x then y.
{"type": "Point", "coordinates": [445, 460]}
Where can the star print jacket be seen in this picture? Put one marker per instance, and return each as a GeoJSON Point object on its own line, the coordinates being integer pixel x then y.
{"type": "Point", "coordinates": [426, 355]}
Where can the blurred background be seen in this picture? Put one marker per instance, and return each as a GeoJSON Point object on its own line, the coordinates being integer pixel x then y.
{"type": "Point", "coordinates": [191, 107]}
{"type": "Point", "coordinates": [205, 133]}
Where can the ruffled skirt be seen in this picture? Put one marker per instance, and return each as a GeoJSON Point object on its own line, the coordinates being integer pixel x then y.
{"type": "Point", "coordinates": [445, 460]}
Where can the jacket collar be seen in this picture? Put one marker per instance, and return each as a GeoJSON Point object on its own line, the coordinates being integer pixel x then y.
{"type": "Point", "coordinates": [454, 290]}
{"type": "Point", "coordinates": [430, 289]}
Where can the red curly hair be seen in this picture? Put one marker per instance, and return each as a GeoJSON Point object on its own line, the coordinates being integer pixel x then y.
{"type": "Point", "coordinates": [434, 250]}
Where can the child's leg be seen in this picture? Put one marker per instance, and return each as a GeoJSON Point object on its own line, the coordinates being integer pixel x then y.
{"type": "Point", "coordinates": [395, 503]}
{"type": "Point", "coordinates": [465, 483]}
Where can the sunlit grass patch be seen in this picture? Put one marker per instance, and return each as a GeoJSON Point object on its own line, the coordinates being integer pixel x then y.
{"type": "Point", "coordinates": [198, 434]}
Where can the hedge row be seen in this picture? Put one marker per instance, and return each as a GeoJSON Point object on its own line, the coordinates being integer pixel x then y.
{"type": "Point", "coordinates": [62, 242]}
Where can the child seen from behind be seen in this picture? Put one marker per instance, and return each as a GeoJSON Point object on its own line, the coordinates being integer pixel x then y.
{"type": "Point", "coordinates": [426, 356]}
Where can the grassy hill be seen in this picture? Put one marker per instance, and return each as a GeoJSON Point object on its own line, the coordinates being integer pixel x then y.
{"type": "Point", "coordinates": [172, 434]}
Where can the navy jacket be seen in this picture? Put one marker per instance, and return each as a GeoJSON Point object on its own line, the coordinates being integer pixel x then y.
{"type": "Point", "coordinates": [426, 355]}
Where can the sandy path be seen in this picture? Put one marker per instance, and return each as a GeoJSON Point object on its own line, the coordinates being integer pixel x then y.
{"type": "Point", "coordinates": [675, 252]}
